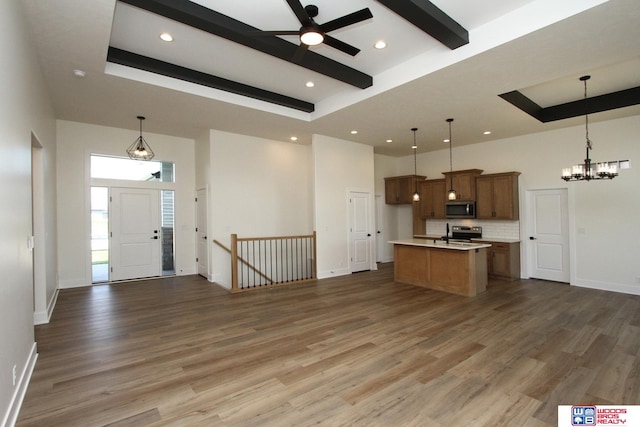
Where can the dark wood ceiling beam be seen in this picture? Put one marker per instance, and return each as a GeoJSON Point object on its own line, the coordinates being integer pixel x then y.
{"type": "Point", "coordinates": [129, 59]}
{"type": "Point", "coordinates": [215, 23]}
{"type": "Point", "coordinates": [430, 19]}
{"type": "Point", "coordinates": [595, 104]}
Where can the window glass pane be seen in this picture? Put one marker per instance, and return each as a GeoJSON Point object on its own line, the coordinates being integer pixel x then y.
{"type": "Point", "coordinates": [99, 234]}
{"type": "Point", "coordinates": [131, 170]}
{"type": "Point", "coordinates": [168, 266]}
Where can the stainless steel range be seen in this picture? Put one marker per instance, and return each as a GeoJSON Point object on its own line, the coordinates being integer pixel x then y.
{"type": "Point", "coordinates": [463, 233]}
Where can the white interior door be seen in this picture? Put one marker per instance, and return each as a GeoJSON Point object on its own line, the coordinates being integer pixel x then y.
{"type": "Point", "coordinates": [135, 233]}
{"type": "Point", "coordinates": [359, 232]}
{"type": "Point", "coordinates": [549, 238]}
{"type": "Point", "coordinates": [201, 233]}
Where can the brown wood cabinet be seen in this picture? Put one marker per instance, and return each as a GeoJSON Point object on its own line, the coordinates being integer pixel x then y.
{"type": "Point", "coordinates": [464, 182]}
{"type": "Point", "coordinates": [503, 260]}
{"type": "Point", "coordinates": [497, 196]}
{"type": "Point", "coordinates": [399, 190]}
{"type": "Point", "coordinates": [432, 198]}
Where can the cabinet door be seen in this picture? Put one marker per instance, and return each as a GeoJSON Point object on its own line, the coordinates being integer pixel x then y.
{"type": "Point", "coordinates": [465, 186]}
{"type": "Point", "coordinates": [432, 198]}
{"type": "Point", "coordinates": [484, 203]}
{"type": "Point", "coordinates": [439, 195]}
{"type": "Point", "coordinates": [504, 206]}
{"type": "Point", "coordinates": [500, 263]}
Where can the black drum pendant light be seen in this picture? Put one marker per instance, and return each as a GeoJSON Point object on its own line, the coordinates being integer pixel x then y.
{"type": "Point", "coordinates": [416, 195]}
{"type": "Point", "coordinates": [452, 193]}
{"type": "Point", "coordinates": [140, 150]}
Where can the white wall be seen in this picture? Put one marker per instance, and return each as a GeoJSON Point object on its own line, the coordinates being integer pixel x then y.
{"type": "Point", "coordinates": [76, 142]}
{"type": "Point", "coordinates": [24, 109]}
{"type": "Point", "coordinates": [258, 188]}
{"type": "Point", "coordinates": [605, 238]}
{"type": "Point", "coordinates": [339, 167]}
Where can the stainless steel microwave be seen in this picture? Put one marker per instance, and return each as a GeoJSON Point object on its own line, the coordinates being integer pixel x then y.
{"type": "Point", "coordinates": [460, 209]}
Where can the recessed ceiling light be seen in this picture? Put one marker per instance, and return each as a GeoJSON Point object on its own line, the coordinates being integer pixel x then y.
{"type": "Point", "coordinates": [445, 140]}
{"type": "Point", "coordinates": [310, 84]}
{"type": "Point", "coordinates": [354, 132]}
{"type": "Point", "coordinates": [380, 44]}
{"type": "Point", "coordinates": [486, 132]}
{"type": "Point", "coordinates": [389, 141]}
{"type": "Point", "coordinates": [166, 37]}
{"type": "Point", "coordinates": [294, 138]}
{"type": "Point", "coordinates": [79, 73]}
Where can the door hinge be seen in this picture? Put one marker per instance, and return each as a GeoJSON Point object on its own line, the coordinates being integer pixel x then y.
{"type": "Point", "coordinates": [196, 229]}
{"type": "Point", "coordinates": [110, 199]}
{"type": "Point", "coordinates": [196, 199]}
{"type": "Point", "coordinates": [196, 259]}
{"type": "Point", "coordinates": [111, 269]}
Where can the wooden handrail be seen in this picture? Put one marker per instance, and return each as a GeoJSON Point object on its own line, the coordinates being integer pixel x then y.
{"type": "Point", "coordinates": [287, 264]}
{"type": "Point", "coordinates": [235, 276]}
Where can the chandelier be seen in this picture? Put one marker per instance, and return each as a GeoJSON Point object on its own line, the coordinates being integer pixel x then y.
{"type": "Point", "coordinates": [588, 170]}
{"type": "Point", "coordinates": [140, 150]}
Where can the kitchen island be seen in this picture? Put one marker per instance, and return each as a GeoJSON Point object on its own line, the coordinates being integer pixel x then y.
{"type": "Point", "coordinates": [454, 267]}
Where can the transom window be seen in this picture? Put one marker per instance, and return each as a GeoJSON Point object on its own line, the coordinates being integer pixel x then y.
{"type": "Point", "coordinates": [131, 170]}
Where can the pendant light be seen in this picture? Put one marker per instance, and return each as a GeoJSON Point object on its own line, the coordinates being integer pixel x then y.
{"type": "Point", "coordinates": [140, 150]}
{"type": "Point", "coordinates": [452, 193]}
{"type": "Point", "coordinates": [584, 171]}
{"type": "Point", "coordinates": [416, 195]}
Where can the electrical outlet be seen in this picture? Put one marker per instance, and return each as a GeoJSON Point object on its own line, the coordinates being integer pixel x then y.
{"type": "Point", "coordinates": [14, 374]}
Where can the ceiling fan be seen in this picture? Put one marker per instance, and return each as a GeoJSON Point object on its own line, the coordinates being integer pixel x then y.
{"type": "Point", "coordinates": [312, 33]}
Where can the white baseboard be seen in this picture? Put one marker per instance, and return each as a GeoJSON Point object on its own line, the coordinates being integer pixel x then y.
{"type": "Point", "coordinates": [42, 317]}
{"type": "Point", "coordinates": [611, 287]}
{"type": "Point", "coordinates": [333, 273]}
{"type": "Point", "coordinates": [11, 416]}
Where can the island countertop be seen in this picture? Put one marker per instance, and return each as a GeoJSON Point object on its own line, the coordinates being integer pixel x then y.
{"type": "Point", "coordinates": [440, 244]}
{"type": "Point", "coordinates": [454, 267]}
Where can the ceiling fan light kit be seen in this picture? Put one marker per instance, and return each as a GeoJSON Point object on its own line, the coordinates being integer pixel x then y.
{"type": "Point", "coordinates": [311, 36]}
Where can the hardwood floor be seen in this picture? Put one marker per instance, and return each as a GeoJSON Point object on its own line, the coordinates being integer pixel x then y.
{"type": "Point", "coordinates": [353, 350]}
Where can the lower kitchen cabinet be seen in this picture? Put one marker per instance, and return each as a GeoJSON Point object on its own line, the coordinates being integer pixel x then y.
{"type": "Point", "coordinates": [503, 260]}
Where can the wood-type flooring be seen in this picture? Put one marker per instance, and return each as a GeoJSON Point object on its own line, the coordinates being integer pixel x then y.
{"type": "Point", "coordinates": [357, 350]}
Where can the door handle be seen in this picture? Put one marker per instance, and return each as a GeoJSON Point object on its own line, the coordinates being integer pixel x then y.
{"type": "Point", "coordinates": [368, 234]}
{"type": "Point", "coordinates": [154, 238]}
{"type": "Point", "coordinates": [205, 237]}
{"type": "Point", "coordinates": [533, 238]}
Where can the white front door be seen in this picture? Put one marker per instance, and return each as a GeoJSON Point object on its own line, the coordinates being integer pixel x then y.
{"type": "Point", "coordinates": [135, 233]}
{"type": "Point", "coordinates": [359, 232]}
{"type": "Point", "coordinates": [549, 238]}
{"type": "Point", "coordinates": [201, 233]}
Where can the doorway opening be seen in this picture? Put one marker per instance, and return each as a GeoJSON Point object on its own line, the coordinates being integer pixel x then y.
{"type": "Point", "coordinates": [102, 233]}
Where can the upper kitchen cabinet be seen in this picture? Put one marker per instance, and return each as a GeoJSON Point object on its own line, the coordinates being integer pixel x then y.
{"type": "Point", "coordinates": [432, 198]}
{"type": "Point", "coordinates": [497, 196]}
{"type": "Point", "coordinates": [399, 190]}
{"type": "Point", "coordinates": [464, 182]}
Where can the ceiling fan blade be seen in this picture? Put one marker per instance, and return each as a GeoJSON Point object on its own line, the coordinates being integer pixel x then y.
{"type": "Point", "coordinates": [346, 20]}
{"type": "Point", "coordinates": [340, 45]}
{"type": "Point", "coordinates": [274, 33]}
{"type": "Point", "coordinates": [297, 57]}
{"type": "Point", "coordinates": [299, 11]}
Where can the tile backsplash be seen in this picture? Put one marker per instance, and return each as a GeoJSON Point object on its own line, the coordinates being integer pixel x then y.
{"type": "Point", "coordinates": [495, 229]}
